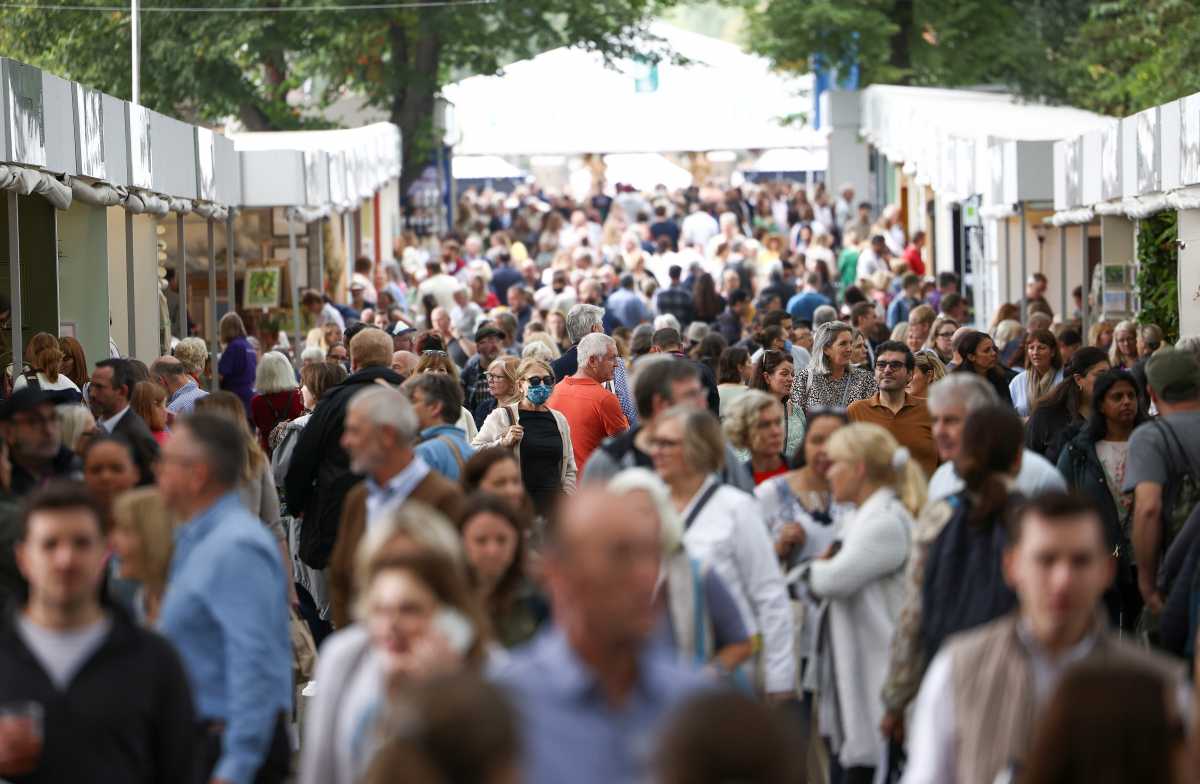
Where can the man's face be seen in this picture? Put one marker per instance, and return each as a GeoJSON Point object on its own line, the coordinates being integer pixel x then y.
{"type": "Point", "coordinates": [428, 413]}
{"type": "Point", "coordinates": [363, 443]}
{"type": "Point", "coordinates": [489, 348]}
{"type": "Point", "coordinates": [558, 283]}
{"type": "Point", "coordinates": [947, 429]}
{"type": "Point", "coordinates": [891, 371]}
{"type": "Point", "coordinates": [441, 320]}
{"type": "Point", "coordinates": [880, 248]}
{"type": "Point", "coordinates": [803, 337]}
{"type": "Point", "coordinates": [34, 436]}
{"type": "Point", "coordinates": [109, 399]}
{"type": "Point", "coordinates": [514, 298]}
{"type": "Point", "coordinates": [867, 321]}
{"type": "Point", "coordinates": [176, 470]}
{"type": "Point", "coordinates": [63, 557]}
{"type": "Point", "coordinates": [688, 392]}
{"type": "Point", "coordinates": [403, 342]}
{"type": "Point", "coordinates": [1059, 570]}
{"type": "Point", "coordinates": [917, 335]}
{"type": "Point", "coordinates": [606, 365]}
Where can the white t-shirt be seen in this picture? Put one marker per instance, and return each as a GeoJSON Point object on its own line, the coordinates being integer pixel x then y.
{"type": "Point", "coordinates": [59, 384]}
{"type": "Point", "coordinates": [1037, 475]}
{"type": "Point", "coordinates": [62, 653]}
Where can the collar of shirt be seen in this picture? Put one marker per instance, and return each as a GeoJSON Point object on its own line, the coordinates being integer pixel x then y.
{"type": "Point", "coordinates": [191, 533]}
{"type": "Point", "coordinates": [398, 488]}
{"type": "Point", "coordinates": [1048, 668]}
{"type": "Point", "coordinates": [876, 401]}
{"type": "Point", "coordinates": [190, 385]}
{"type": "Point", "coordinates": [111, 422]}
{"type": "Point", "coordinates": [438, 430]}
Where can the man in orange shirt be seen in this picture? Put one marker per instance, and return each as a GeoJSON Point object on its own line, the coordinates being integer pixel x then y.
{"type": "Point", "coordinates": [592, 411]}
{"type": "Point", "coordinates": [893, 409]}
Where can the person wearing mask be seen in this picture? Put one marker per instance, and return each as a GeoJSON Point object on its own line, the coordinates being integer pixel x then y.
{"type": "Point", "coordinates": [379, 434]}
{"type": "Point", "coordinates": [979, 358]}
{"type": "Point", "coordinates": [724, 527]}
{"type": "Point", "coordinates": [602, 635]}
{"type": "Point", "coordinates": [474, 375]}
{"type": "Point", "coordinates": [1059, 416]}
{"type": "Point", "coordinates": [540, 437]}
{"type": "Point", "coordinates": [830, 381]}
{"type": "Point", "coordinates": [45, 359]}
{"type": "Point", "coordinates": [953, 578]}
{"type": "Point", "coordinates": [276, 398]}
{"type": "Point", "coordinates": [1043, 371]}
{"type": "Point", "coordinates": [319, 475]}
{"type": "Point", "coordinates": [66, 653]}
{"type": "Point", "coordinates": [111, 390]}
{"type": "Point", "coordinates": [32, 433]}
{"type": "Point", "coordinates": [894, 409]}
{"type": "Point", "coordinates": [984, 690]}
{"type": "Point", "coordinates": [662, 381]}
{"type": "Point", "coordinates": [1162, 465]}
{"type": "Point", "coordinates": [774, 373]}
{"type": "Point", "coordinates": [592, 412]}
{"type": "Point", "coordinates": [182, 390]}
{"type": "Point", "coordinates": [494, 537]}
{"type": "Point", "coordinates": [950, 401]}
{"type": "Point", "coordinates": [238, 363]}
{"type": "Point", "coordinates": [226, 606]}
{"type": "Point", "coordinates": [755, 428]}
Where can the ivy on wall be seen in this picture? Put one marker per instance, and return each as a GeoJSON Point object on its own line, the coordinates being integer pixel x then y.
{"type": "Point", "coordinates": [1158, 272]}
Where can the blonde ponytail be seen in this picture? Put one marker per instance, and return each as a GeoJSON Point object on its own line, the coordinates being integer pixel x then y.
{"type": "Point", "coordinates": [886, 462]}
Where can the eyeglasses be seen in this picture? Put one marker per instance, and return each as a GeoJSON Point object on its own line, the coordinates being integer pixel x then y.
{"type": "Point", "coordinates": [540, 381]}
{"type": "Point", "coordinates": [492, 377]}
{"type": "Point", "coordinates": [665, 443]}
{"type": "Point", "coordinates": [884, 364]}
{"type": "Point", "coordinates": [947, 335]}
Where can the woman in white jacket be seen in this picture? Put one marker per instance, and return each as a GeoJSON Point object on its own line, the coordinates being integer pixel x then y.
{"type": "Point", "coordinates": [862, 580]}
{"type": "Point", "coordinates": [538, 435]}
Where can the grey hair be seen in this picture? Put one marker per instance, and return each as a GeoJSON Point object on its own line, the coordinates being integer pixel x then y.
{"type": "Point", "coordinates": [632, 480]}
{"type": "Point", "coordinates": [823, 315]}
{"type": "Point", "coordinates": [387, 407]}
{"type": "Point", "coordinates": [1009, 329]}
{"type": "Point", "coordinates": [823, 338]}
{"type": "Point", "coordinates": [1190, 344]}
{"type": "Point", "coordinates": [582, 320]}
{"type": "Point", "coordinates": [74, 420]}
{"type": "Point", "coordinates": [274, 374]}
{"type": "Point", "coordinates": [742, 416]}
{"type": "Point", "coordinates": [594, 344]}
{"type": "Point", "coordinates": [966, 389]}
{"type": "Point", "coordinates": [312, 354]}
{"type": "Point", "coordinates": [667, 320]}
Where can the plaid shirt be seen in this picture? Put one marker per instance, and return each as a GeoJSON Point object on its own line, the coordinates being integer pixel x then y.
{"type": "Point", "coordinates": [184, 399]}
{"type": "Point", "coordinates": [676, 301]}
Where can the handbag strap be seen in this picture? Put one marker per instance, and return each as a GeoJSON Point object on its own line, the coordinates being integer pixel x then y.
{"type": "Point", "coordinates": [699, 505]}
{"type": "Point", "coordinates": [1183, 455]}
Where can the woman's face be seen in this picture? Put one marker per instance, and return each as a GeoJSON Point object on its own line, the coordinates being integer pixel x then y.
{"type": "Point", "coordinates": [557, 324]}
{"type": "Point", "coordinates": [844, 477]}
{"type": "Point", "coordinates": [841, 350]}
{"type": "Point", "coordinates": [858, 351]}
{"type": "Point", "coordinates": [338, 354]}
{"type": "Point", "coordinates": [985, 355]}
{"type": "Point", "coordinates": [819, 432]}
{"type": "Point", "coordinates": [1087, 381]}
{"type": "Point", "coordinates": [1119, 405]}
{"type": "Point", "coordinates": [1039, 355]}
{"type": "Point", "coordinates": [490, 543]}
{"type": "Point", "coordinates": [400, 609]}
{"type": "Point", "coordinates": [1127, 343]}
{"type": "Point", "coordinates": [918, 385]}
{"type": "Point", "coordinates": [504, 480]}
{"type": "Point", "coordinates": [497, 383]}
{"type": "Point", "coordinates": [943, 339]}
{"type": "Point", "coordinates": [747, 371]}
{"type": "Point", "coordinates": [780, 379]}
{"type": "Point", "coordinates": [109, 471]}
{"type": "Point", "coordinates": [1104, 338]}
{"type": "Point", "coordinates": [67, 365]}
{"type": "Point", "coordinates": [158, 416]}
{"type": "Point", "coordinates": [127, 544]}
{"type": "Point", "coordinates": [666, 450]}
{"type": "Point", "coordinates": [767, 436]}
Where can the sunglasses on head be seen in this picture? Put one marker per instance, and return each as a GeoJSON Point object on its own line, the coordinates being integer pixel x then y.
{"type": "Point", "coordinates": [433, 352]}
{"type": "Point", "coordinates": [540, 381]}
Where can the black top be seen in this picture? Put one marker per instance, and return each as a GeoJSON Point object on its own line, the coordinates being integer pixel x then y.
{"type": "Point", "coordinates": [541, 458]}
{"type": "Point", "coordinates": [126, 716]}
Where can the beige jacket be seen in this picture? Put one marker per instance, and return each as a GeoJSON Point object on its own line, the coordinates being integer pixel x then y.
{"type": "Point", "coordinates": [499, 421]}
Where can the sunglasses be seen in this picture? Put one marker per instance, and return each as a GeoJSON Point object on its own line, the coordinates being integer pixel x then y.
{"type": "Point", "coordinates": [433, 352]}
{"type": "Point", "coordinates": [540, 381]}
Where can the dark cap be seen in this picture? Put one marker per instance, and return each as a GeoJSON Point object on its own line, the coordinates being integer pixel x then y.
{"type": "Point", "coordinates": [1174, 375]}
{"type": "Point", "coordinates": [24, 399]}
{"type": "Point", "coordinates": [489, 331]}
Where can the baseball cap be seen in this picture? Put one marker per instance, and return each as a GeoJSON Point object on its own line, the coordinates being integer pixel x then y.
{"type": "Point", "coordinates": [489, 331]}
{"type": "Point", "coordinates": [1174, 375]}
{"type": "Point", "coordinates": [24, 399]}
{"type": "Point", "coordinates": [400, 328]}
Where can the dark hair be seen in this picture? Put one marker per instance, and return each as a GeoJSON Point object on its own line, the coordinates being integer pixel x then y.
{"type": "Point", "coordinates": [481, 502]}
{"type": "Point", "coordinates": [992, 440]}
{"type": "Point", "coordinates": [666, 338]}
{"type": "Point", "coordinates": [1066, 395]}
{"type": "Point", "coordinates": [476, 468]}
{"type": "Point", "coordinates": [223, 443]}
{"type": "Point", "coordinates": [775, 318]}
{"type": "Point", "coordinates": [122, 375]}
{"type": "Point", "coordinates": [1098, 425]}
{"type": "Point", "coordinates": [320, 377]}
{"type": "Point", "coordinates": [767, 364]}
{"type": "Point", "coordinates": [768, 335]}
{"type": "Point", "coordinates": [654, 378]}
{"type": "Point", "coordinates": [57, 495]}
{"type": "Point", "coordinates": [738, 296]}
{"type": "Point", "coordinates": [641, 339]}
{"type": "Point", "coordinates": [1046, 338]}
{"type": "Point", "coordinates": [969, 344]}
{"type": "Point", "coordinates": [951, 301]}
{"type": "Point", "coordinates": [708, 350]}
{"type": "Point", "coordinates": [706, 300]}
{"type": "Point", "coordinates": [439, 387]}
{"type": "Point", "coordinates": [430, 341]}
{"type": "Point", "coordinates": [109, 438]}
{"type": "Point", "coordinates": [729, 366]}
{"type": "Point", "coordinates": [852, 296]}
{"type": "Point", "coordinates": [945, 279]}
{"type": "Point", "coordinates": [815, 413]}
{"type": "Point", "coordinates": [1107, 722]}
{"type": "Point", "coordinates": [861, 309]}
{"type": "Point", "coordinates": [1069, 337]}
{"type": "Point", "coordinates": [1055, 506]}
{"type": "Point", "coordinates": [895, 346]}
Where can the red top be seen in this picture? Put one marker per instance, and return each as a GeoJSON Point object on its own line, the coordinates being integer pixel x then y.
{"type": "Point", "coordinates": [762, 476]}
{"type": "Point", "coordinates": [593, 414]}
{"type": "Point", "coordinates": [912, 254]}
{"type": "Point", "coordinates": [269, 410]}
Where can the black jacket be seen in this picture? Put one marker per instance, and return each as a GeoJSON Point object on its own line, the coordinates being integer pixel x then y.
{"type": "Point", "coordinates": [319, 476]}
{"type": "Point", "coordinates": [567, 364]}
{"type": "Point", "coordinates": [1049, 429]}
{"type": "Point", "coordinates": [125, 717]}
{"type": "Point", "coordinates": [145, 449]}
{"type": "Point", "coordinates": [64, 465]}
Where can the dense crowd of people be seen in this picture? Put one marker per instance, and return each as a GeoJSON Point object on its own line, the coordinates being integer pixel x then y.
{"type": "Point", "coordinates": [690, 487]}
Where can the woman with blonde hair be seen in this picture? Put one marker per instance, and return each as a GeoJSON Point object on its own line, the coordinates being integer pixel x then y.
{"type": "Point", "coordinates": [1124, 354]}
{"type": "Point", "coordinates": [238, 362]}
{"type": "Point", "coordinates": [77, 426]}
{"type": "Point", "coordinates": [538, 435]}
{"type": "Point", "coordinates": [941, 338]}
{"type": "Point", "coordinates": [862, 582]}
{"type": "Point", "coordinates": [927, 371]}
{"type": "Point", "coordinates": [1100, 334]}
{"type": "Point", "coordinates": [43, 360]}
{"type": "Point", "coordinates": [542, 339]}
{"type": "Point", "coordinates": [143, 538]}
{"type": "Point", "coordinates": [504, 386]}
{"type": "Point", "coordinates": [754, 425]}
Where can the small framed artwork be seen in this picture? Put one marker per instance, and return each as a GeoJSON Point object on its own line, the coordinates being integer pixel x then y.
{"type": "Point", "coordinates": [1116, 276]}
{"type": "Point", "coordinates": [263, 287]}
{"type": "Point", "coordinates": [1116, 302]}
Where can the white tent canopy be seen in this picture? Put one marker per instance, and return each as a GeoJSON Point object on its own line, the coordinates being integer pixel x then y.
{"type": "Point", "coordinates": [645, 171]}
{"type": "Point", "coordinates": [566, 101]}
{"type": "Point", "coordinates": [796, 159]}
{"type": "Point", "coordinates": [484, 167]}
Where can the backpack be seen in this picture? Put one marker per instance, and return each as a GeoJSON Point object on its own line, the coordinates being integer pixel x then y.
{"type": "Point", "coordinates": [1187, 491]}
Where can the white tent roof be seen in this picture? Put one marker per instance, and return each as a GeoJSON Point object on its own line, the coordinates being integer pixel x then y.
{"type": "Point", "coordinates": [792, 160]}
{"type": "Point", "coordinates": [645, 171]}
{"type": "Point", "coordinates": [566, 101]}
{"type": "Point", "coordinates": [484, 167]}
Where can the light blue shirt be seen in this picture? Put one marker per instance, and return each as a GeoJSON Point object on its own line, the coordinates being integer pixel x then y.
{"type": "Point", "coordinates": [1018, 389]}
{"type": "Point", "coordinates": [628, 308]}
{"type": "Point", "coordinates": [226, 611]}
{"type": "Point", "coordinates": [396, 491]}
{"type": "Point", "coordinates": [183, 401]}
{"type": "Point", "coordinates": [620, 384]}
{"type": "Point", "coordinates": [571, 732]}
{"type": "Point", "coordinates": [437, 453]}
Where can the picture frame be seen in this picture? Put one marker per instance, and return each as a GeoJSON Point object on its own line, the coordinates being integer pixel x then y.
{"type": "Point", "coordinates": [1116, 302]}
{"type": "Point", "coordinates": [1116, 276]}
{"type": "Point", "coordinates": [263, 287]}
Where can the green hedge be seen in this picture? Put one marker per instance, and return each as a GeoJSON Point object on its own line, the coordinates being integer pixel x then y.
{"type": "Point", "coordinates": [1158, 272]}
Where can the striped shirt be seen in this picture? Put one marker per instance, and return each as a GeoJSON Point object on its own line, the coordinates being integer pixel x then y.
{"type": "Point", "coordinates": [184, 399]}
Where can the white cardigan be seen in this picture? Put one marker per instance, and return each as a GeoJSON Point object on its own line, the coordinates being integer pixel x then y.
{"type": "Point", "coordinates": [864, 584]}
{"type": "Point", "coordinates": [497, 424]}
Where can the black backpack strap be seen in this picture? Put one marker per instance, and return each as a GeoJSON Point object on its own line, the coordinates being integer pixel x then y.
{"type": "Point", "coordinates": [698, 507]}
{"type": "Point", "coordinates": [1184, 460]}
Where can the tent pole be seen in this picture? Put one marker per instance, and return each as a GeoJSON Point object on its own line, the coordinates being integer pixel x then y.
{"type": "Point", "coordinates": [212, 307]}
{"type": "Point", "coordinates": [294, 275]}
{"type": "Point", "coordinates": [130, 286]}
{"type": "Point", "coordinates": [14, 280]}
{"type": "Point", "coordinates": [181, 275]}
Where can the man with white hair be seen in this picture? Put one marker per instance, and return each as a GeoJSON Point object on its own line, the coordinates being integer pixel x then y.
{"type": "Point", "coordinates": [592, 412]}
{"type": "Point", "coordinates": [379, 436]}
{"type": "Point", "coordinates": [950, 401]}
{"type": "Point", "coordinates": [583, 320]}
{"type": "Point", "coordinates": [729, 231]}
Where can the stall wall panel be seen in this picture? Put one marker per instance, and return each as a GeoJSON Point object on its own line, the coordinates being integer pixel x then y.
{"type": "Point", "coordinates": [60, 124]}
{"type": "Point", "coordinates": [1189, 272]}
{"type": "Point", "coordinates": [229, 171]}
{"type": "Point", "coordinates": [173, 152]}
{"type": "Point", "coordinates": [1035, 171]}
{"type": "Point", "coordinates": [1169, 133]}
{"type": "Point", "coordinates": [39, 274]}
{"type": "Point", "coordinates": [116, 141]}
{"type": "Point", "coordinates": [117, 310]}
{"type": "Point", "coordinates": [24, 118]}
{"type": "Point", "coordinates": [83, 271]}
{"type": "Point", "coordinates": [145, 270]}
{"type": "Point", "coordinates": [272, 178]}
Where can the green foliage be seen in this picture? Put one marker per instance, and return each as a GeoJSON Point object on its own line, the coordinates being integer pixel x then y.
{"type": "Point", "coordinates": [1157, 276]}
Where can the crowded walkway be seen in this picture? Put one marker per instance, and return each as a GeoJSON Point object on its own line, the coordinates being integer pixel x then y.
{"type": "Point", "coordinates": [697, 486]}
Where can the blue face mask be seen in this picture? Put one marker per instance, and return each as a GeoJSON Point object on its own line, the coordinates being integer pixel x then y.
{"type": "Point", "coordinates": [538, 395]}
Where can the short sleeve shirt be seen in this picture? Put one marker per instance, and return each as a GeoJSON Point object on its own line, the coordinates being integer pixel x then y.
{"type": "Point", "coordinates": [1155, 457]}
